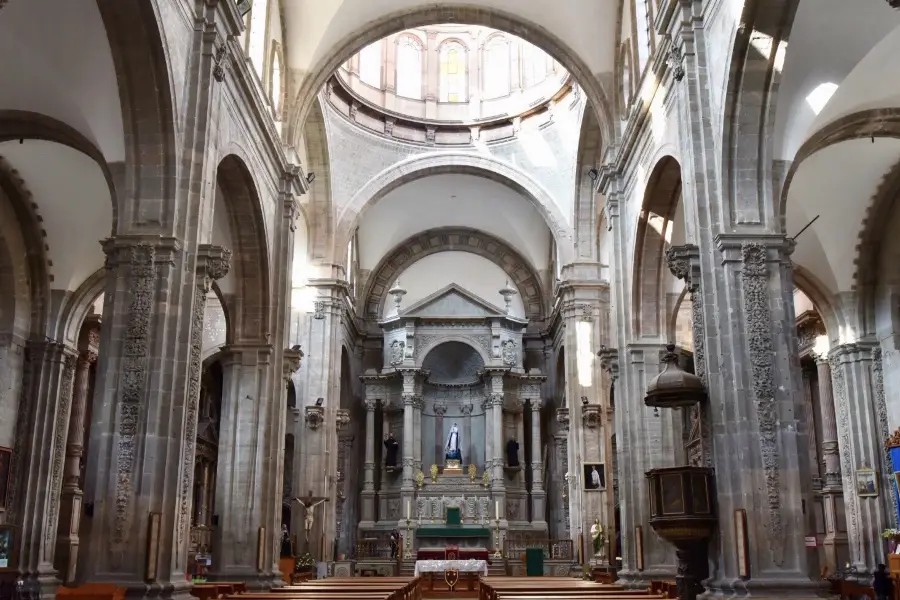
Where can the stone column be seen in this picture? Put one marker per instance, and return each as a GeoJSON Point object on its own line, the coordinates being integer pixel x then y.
{"type": "Point", "coordinates": [241, 469]}
{"type": "Point", "coordinates": [432, 73]}
{"type": "Point", "coordinates": [531, 392]}
{"type": "Point", "coordinates": [71, 500]}
{"type": "Point", "coordinates": [488, 409]}
{"type": "Point", "coordinates": [440, 409]}
{"type": "Point", "coordinates": [367, 495]}
{"type": "Point", "coordinates": [467, 432]}
{"type": "Point", "coordinates": [496, 426]}
{"type": "Point", "coordinates": [836, 551]}
{"type": "Point", "coordinates": [862, 431]}
{"type": "Point", "coordinates": [567, 485]}
{"type": "Point", "coordinates": [39, 456]}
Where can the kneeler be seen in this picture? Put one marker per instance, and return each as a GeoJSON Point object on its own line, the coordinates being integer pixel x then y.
{"type": "Point", "coordinates": [534, 562]}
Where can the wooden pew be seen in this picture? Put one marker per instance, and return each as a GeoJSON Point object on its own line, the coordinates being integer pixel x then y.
{"type": "Point", "coordinates": [92, 591]}
{"type": "Point", "coordinates": [520, 588]}
{"type": "Point", "coordinates": [335, 588]}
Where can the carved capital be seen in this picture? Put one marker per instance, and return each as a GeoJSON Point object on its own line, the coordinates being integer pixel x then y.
{"type": "Point", "coordinates": [684, 263]}
{"type": "Point", "coordinates": [467, 409]}
{"type": "Point", "coordinates": [291, 362]}
{"type": "Point", "coordinates": [411, 400]}
{"type": "Point", "coordinates": [496, 399]}
{"type": "Point", "coordinates": [371, 404]}
{"type": "Point", "coordinates": [562, 417]}
{"type": "Point", "coordinates": [213, 263]}
{"type": "Point", "coordinates": [440, 408]}
{"type": "Point", "coordinates": [342, 418]}
{"type": "Point", "coordinates": [609, 361]}
{"type": "Point", "coordinates": [590, 415]}
{"type": "Point", "coordinates": [315, 416]}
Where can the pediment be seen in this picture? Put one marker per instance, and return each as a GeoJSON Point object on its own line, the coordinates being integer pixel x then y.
{"type": "Point", "coordinates": [452, 301]}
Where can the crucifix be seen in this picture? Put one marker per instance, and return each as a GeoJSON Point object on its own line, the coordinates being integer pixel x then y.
{"type": "Point", "coordinates": [309, 503]}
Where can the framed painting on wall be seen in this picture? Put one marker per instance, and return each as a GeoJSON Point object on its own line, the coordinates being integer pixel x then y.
{"type": "Point", "coordinates": [866, 483]}
{"type": "Point", "coordinates": [594, 476]}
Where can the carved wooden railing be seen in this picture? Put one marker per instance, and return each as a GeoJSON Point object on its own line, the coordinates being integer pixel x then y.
{"type": "Point", "coordinates": [516, 545]}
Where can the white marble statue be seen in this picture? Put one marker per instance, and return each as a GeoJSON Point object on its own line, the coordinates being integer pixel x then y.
{"type": "Point", "coordinates": [452, 446]}
{"type": "Point", "coordinates": [598, 539]}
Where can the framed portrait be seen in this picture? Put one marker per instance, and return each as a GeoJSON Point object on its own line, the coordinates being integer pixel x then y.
{"type": "Point", "coordinates": [866, 483]}
{"type": "Point", "coordinates": [7, 548]}
{"type": "Point", "coordinates": [5, 471]}
{"type": "Point", "coordinates": [593, 476]}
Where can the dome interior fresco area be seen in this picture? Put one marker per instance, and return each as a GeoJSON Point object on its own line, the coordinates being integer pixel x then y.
{"type": "Point", "coordinates": [299, 290]}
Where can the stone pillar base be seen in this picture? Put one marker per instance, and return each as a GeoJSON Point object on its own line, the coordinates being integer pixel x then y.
{"type": "Point", "coordinates": [800, 588]}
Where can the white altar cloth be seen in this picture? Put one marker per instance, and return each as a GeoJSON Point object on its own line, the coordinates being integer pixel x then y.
{"type": "Point", "coordinates": [471, 565]}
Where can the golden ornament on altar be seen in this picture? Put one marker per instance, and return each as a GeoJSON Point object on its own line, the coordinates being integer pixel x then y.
{"type": "Point", "coordinates": [420, 479]}
{"type": "Point", "coordinates": [434, 473]}
{"type": "Point", "coordinates": [472, 472]}
{"type": "Point", "coordinates": [486, 479]}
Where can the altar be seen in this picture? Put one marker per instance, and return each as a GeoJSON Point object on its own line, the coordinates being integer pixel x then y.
{"type": "Point", "coordinates": [440, 566]}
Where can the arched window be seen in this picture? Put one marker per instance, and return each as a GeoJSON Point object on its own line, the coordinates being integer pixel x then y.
{"type": "Point", "coordinates": [495, 73]}
{"type": "Point", "coordinates": [370, 65]}
{"type": "Point", "coordinates": [642, 24]}
{"type": "Point", "coordinates": [452, 83]}
{"type": "Point", "coordinates": [276, 91]}
{"type": "Point", "coordinates": [534, 65]}
{"type": "Point", "coordinates": [256, 42]}
{"type": "Point", "coordinates": [409, 67]}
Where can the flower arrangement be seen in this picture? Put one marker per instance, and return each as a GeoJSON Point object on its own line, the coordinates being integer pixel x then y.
{"type": "Point", "coordinates": [434, 473]}
{"type": "Point", "coordinates": [486, 479]}
{"type": "Point", "coordinates": [304, 563]}
{"type": "Point", "coordinates": [893, 537]}
{"type": "Point", "coordinates": [472, 472]}
{"type": "Point", "coordinates": [420, 479]}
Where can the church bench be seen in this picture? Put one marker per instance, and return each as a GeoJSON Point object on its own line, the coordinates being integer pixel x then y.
{"type": "Point", "coordinates": [411, 588]}
{"type": "Point", "coordinates": [494, 588]}
{"type": "Point", "coordinates": [217, 589]}
{"type": "Point", "coordinates": [92, 591]}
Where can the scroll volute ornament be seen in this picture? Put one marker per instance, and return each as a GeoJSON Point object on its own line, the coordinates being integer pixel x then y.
{"type": "Point", "coordinates": [674, 387]}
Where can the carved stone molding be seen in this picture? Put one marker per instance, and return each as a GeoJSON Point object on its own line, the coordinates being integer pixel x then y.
{"type": "Point", "coordinates": [496, 399]}
{"type": "Point", "coordinates": [60, 429]}
{"type": "Point", "coordinates": [609, 361]}
{"type": "Point", "coordinates": [590, 415]}
{"type": "Point", "coordinates": [562, 417]}
{"type": "Point", "coordinates": [758, 321]}
{"type": "Point", "coordinates": [371, 404]}
{"type": "Point", "coordinates": [291, 363]}
{"type": "Point", "coordinates": [882, 422]}
{"type": "Point", "coordinates": [684, 263]}
{"type": "Point", "coordinates": [462, 239]}
{"type": "Point", "coordinates": [396, 352]}
{"type": "Point", "coordinates": [315, 416]}
{"type": "Point", "coordinates": [509, 353]}
{"type": "Point", "coordinates": [342, 418]}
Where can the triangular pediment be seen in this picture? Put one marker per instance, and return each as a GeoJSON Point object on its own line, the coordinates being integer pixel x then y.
{"type": "Point", "coordinates": [452, 301]}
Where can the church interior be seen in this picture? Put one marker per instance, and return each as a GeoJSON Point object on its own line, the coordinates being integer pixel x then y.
{"type": "Point", "coordinates": [403, 300]}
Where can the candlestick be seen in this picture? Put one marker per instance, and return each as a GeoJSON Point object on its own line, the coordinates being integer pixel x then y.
{"type": "Point", "coordinates": [497, 509]}
{"type": "Point", "coordinates": [407, 510]}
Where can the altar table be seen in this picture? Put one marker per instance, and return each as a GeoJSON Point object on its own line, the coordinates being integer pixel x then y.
{"type": "Point", "coordinates": [463, 553]}
{"type": "Point", "coordinates": [463, 566]}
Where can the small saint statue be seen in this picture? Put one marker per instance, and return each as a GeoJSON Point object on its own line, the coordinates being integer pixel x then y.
{"type": "Point", "coordinates": [512, 453]}
{"type": "Point", "coordinates": [392, 449]}
{"type": "Point", "coordinates": [287, 548]}
{"type": "Point", "coordinates": [598, 538]}
{"type": "Point", "coordinates": [452, 446]}
{"type": "Point", "coordinates": [395, 542]}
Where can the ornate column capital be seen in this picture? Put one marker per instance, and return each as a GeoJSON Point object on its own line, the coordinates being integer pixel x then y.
{"type": "Point", "coordinates": [440, 408]}
{"type": "Point", "coordinates": [371, 404]}
{"type": "Point", "coordinates": [467, 409]}
{"type": "Point", "coordinates": [684, 263]}
{"type": "Point", "coordinates": [315, 416]}
{"type": "Point", "coordinates": [213, 263]}
{"type": "Point", "coordinates": [590, 415]}
{"type": "Point", "coordinates": [562, 417]}
{"type": "Point", "coordinates": [609, 361]}
{"type": "Point", "coordinates": [342, 418]}
{"type": "Point", "coordinates": [496, 399]}
{"type": "Point", "coordinates": [291, 362]}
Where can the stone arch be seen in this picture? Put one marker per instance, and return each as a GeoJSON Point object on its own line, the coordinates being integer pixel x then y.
{"type": "Point", "coordinates": [460, 239]}
{"type": "Point", "coordinates": [748, 119]}
{"type": "Point", "coordinates": [77, 306]}
{"type": "Point", "coordinates": [149, 187]}
{"type": "Point", "coordinates": [426, 165]}
{"type": "Point", "coordinates": [423, 352]}
{"type": "Point", "coordinates": [19, 124]}
{"type": "Point", "coordinates": [252, 303]}
{"type": "Point", "coordinates": [661, 198]}
{"type": "Point", "coordinates": [460, 13]}
{"type": "Point", "coordinates": [24, 234]}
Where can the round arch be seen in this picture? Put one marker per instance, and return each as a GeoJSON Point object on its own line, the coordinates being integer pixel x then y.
{"type": "Point", "coordinates": [460, 239]}
{"type": "Point", "coordinates": [460, 13]}
{"type": "Point", "coordinates": [22, 228]}
{"type": "Point", "coordinates": [252, 302]}
{"type": "Point", "coordinates": [423, 352]}
{"type": "Point", "coordinates": [135, 33]}
{"type": "Point", "coordinates": [457, 163]}
{"type": "Point", "coordinates": [662, 196]}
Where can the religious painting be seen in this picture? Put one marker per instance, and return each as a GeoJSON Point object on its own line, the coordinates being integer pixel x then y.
{"type": "Point", "coordinates": [594, 476]}
{"type": "Point", "coordinates": [5, 462]}
{"type": "Point", "coordinates": [866, 483]}
{"type": "Point", "coordinates": [7, 547]}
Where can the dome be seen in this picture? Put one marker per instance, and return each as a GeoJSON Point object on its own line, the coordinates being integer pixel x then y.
{"type": "Point", "coordinates": [446, 77]}
{"type": "Point", "coordinates": [674, 387]}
